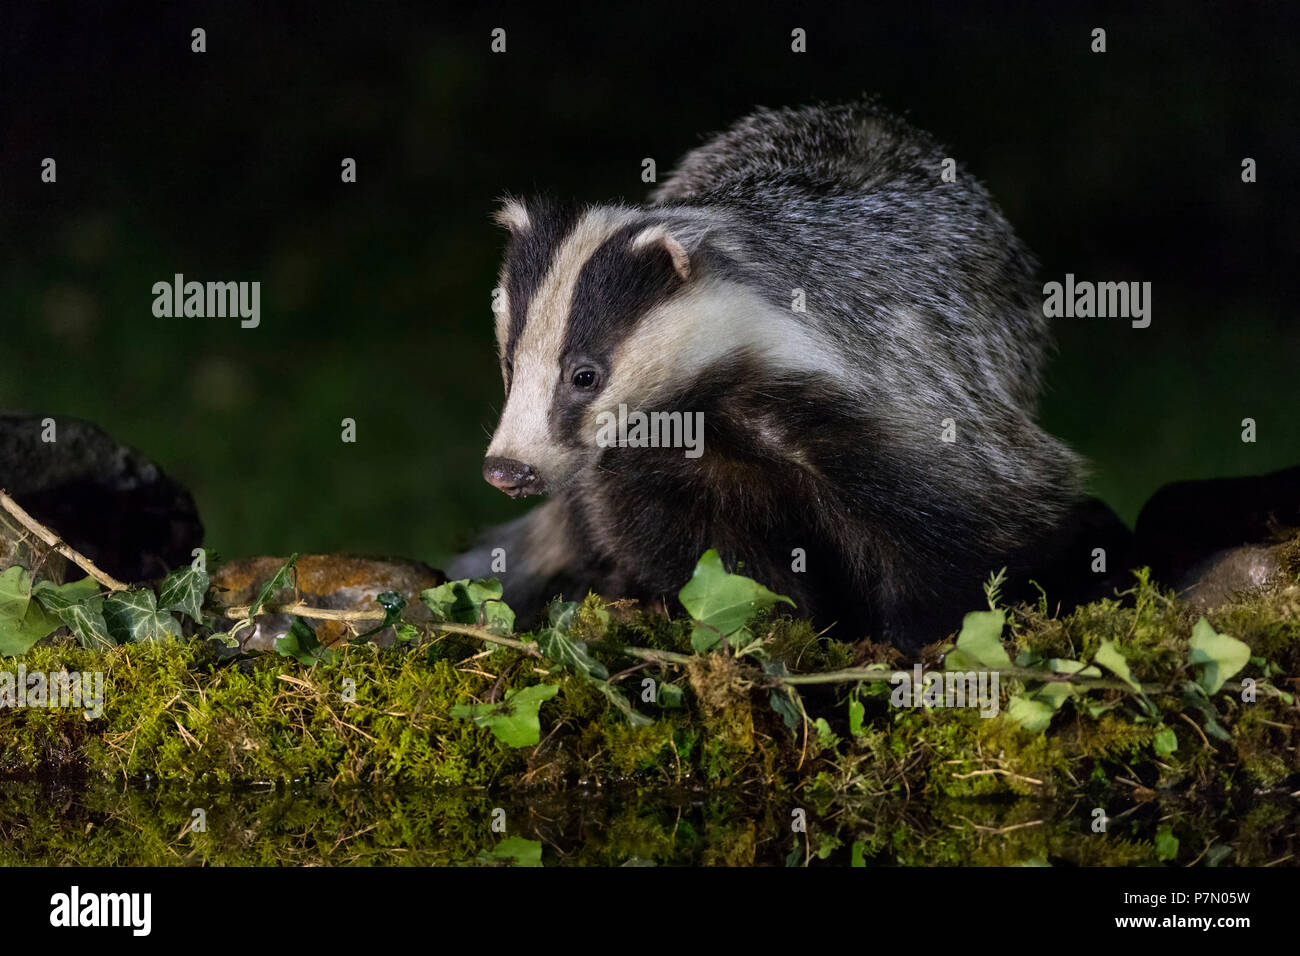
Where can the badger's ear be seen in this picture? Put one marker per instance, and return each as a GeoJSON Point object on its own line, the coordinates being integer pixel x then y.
{"type": "Point", "coordinates": [661, 237]}
{"type": "Point", "coordinates": [512, 215]}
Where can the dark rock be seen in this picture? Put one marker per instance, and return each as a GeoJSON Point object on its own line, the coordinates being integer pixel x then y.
{"type": "Point", "coordinates": [1229, 573]}
{"type": "Point", "coordinates": [1064, 566]}
{"type": "Point", "coordinates": [105, 500]}
{"type": "Point", "coordinates": [1186, 522]}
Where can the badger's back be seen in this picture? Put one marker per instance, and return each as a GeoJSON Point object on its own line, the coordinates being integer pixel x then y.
{"type": "Point", "coordinates": [847, 204]}
{"type": "Point", "coordinates": [802, 151]}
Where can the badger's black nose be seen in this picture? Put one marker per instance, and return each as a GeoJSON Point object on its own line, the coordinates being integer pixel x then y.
{"type": "Point", "coordinates": [513, 477]}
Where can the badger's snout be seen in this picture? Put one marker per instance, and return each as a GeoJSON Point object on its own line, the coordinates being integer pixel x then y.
{"type": "Point", "coordinates": [513, 477]}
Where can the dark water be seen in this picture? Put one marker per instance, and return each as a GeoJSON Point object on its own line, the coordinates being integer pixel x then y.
{"type": "Point", "coordinates": [43, 824]}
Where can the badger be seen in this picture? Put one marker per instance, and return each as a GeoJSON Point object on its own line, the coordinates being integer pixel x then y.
{"type": "Point", "coordinates": [858, 336]}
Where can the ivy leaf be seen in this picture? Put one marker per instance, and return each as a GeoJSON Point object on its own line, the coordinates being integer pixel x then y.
{"type": "Point", "coordinates": [1030, 713]}
{"type": "Point", "coordinates": [979, 645]}
{"type": "Point", "coordinates": [15, 593]}
{"type": "Point", "coordinates": [466, 601]}
{"type": "Point", "coordinates": [514, 721]}
{"type": "Point", "coordinates": [669, 696]}
{"type": "Point", "coordinates": [17, 637]}
{"type": "Point", "coordinates": [281, 579]}
{"type": "Point", "coordinates": [721, 603]}
{"type": "Point", "coordinates": [79, 606]}
{"type": "Point", "coordinates": [572, 655]}
{"type": "Point", "coordinates": [1195, 697]}
{"type": "Point", "coordinates": [1109, 657]}
{"type": "Point", "coordinates": [132, 617]}
{"type": "Point", "coordinates": [56, 597]}
{"type": "Point", "coordinates": [302, 645]}
{"type": "Point", "coordinates": [1217, 657]}
{"type": "Point", "coordinates": [87, 624]}
{"type": "Point", "coordinates": [184, 590]}
{"type": "Point", "coordinates": [23, 621]}
{"type": "Point", "coordinates": [393, 605]}
{"type": "Point", "coordinates": [784, 698]}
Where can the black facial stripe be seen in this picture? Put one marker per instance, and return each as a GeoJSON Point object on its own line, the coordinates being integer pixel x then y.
{"type": "Point", "coordinates": [615, 288]}
{"type": "Point", "coordinates": [529, 255]}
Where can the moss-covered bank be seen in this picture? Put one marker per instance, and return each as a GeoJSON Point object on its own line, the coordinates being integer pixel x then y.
{"type": "Point", "coordinates": [178, 712]}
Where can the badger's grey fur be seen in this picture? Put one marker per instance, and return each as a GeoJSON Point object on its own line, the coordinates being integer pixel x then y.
{"type": "Point", "coordinates": [823, 426]}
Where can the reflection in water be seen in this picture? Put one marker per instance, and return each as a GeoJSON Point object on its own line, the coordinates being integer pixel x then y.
{"type": "Point", "coordinates": [102, 826]}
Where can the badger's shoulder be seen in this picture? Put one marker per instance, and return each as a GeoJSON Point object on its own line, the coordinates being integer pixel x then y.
{"type": "Point", "coordinates": [819, 150]}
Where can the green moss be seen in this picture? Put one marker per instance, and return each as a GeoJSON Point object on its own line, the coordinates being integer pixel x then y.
{"type": "Point", "coordinates": [375, 721]}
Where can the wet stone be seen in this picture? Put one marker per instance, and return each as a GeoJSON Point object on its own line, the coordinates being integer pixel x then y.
{"type": "Point", "coordinates": [330, 581]}
{"type": "Point", "coordinates": [1187, 522]}
{"type": "Point", "coordinates": [1230, 573]}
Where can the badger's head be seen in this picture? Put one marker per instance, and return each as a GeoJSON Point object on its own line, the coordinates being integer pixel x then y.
{"type": "Point", "coordinates": [598, 306]}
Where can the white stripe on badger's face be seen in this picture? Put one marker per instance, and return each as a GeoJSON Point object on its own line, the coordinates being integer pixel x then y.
{"type": "Point", "coordinates": [703, 323]}
{"type": "Point", "coordinates": [523, 433]}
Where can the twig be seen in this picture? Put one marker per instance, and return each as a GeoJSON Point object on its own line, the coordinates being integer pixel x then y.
{"type": "Point", "coordinates": [333, 614]}
{"type": "Point", "coordinates": [1015, 673]}
{"type": "Point", "coordinates": [54, 541]}
{"type": "Point", "coordinates": [1205, 740]}
{"type": "Point", "coordinates": [306, 610]}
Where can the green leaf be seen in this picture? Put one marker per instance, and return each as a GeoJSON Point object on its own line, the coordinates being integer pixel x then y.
{"type": "Point", "coordinates": [393, 605]}
{"type": "Point", "coordinates": [514, 721]}
{"type": "Point", "coordinates": [80, 607]}
{"type": "Point", "coordinates": [826, 738]}
{"type": "Point", "coordinates": [86, 621]}
{"type": "Point", "coordinates": [1029, 712]}
{"type": "Point", "coordinates": [281, 579]}
{"type": "Point", "coordinates": [571, 655]}
{"type": "Point", "coordinates": [516, 850]}
{"type": "Point", "coordinates": [133, 616]}
{"type": "Point", "coordinates": [15, 593]}
{"type": "Point", "coordinates": [856, 713]}
{"type": "Point", "coordinates": [1166, 844]}
{"type": "Point", "coordinates": [1096, 708]}
{"type": "Point", "coordinates": [721, 603]}
{"type": "Point", "coordinates": [1109, 657]}
{"type": "Point", "coordinates": [1057, 692]}
{"type": "Point", "coordinates": [979, 645]}
{"type": "Point", "coordinates": [1217, 657]}
{"type": "Point", "coordinates": [669, 696]}
{"type": "Point", "coordinates": [784, 699]}
{"type": "Point", "coordinates": [471, 602]}
{"type": "Point", "coordinates": [1217, 854]}
{"type": "Point", "coordinates": [1166, 742]}
{"type": "Point", "coordinates": [301, 644]}
{"type": "Point", "coordinates": [23, 621]}
{"type": "Point", "coordinates": [56, 597]}
{"type": "Point", "coordinates": [1194, 696]}
{"type": "Point", "coordinates": [184, 590]}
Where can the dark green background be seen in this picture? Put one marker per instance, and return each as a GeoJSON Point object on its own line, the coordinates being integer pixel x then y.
{"type": "Point", "coordinates": [375, 296]}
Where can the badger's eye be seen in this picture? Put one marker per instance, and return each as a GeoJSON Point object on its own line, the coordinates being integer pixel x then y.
{"type": "Point", "coordinates": [585, 378]}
